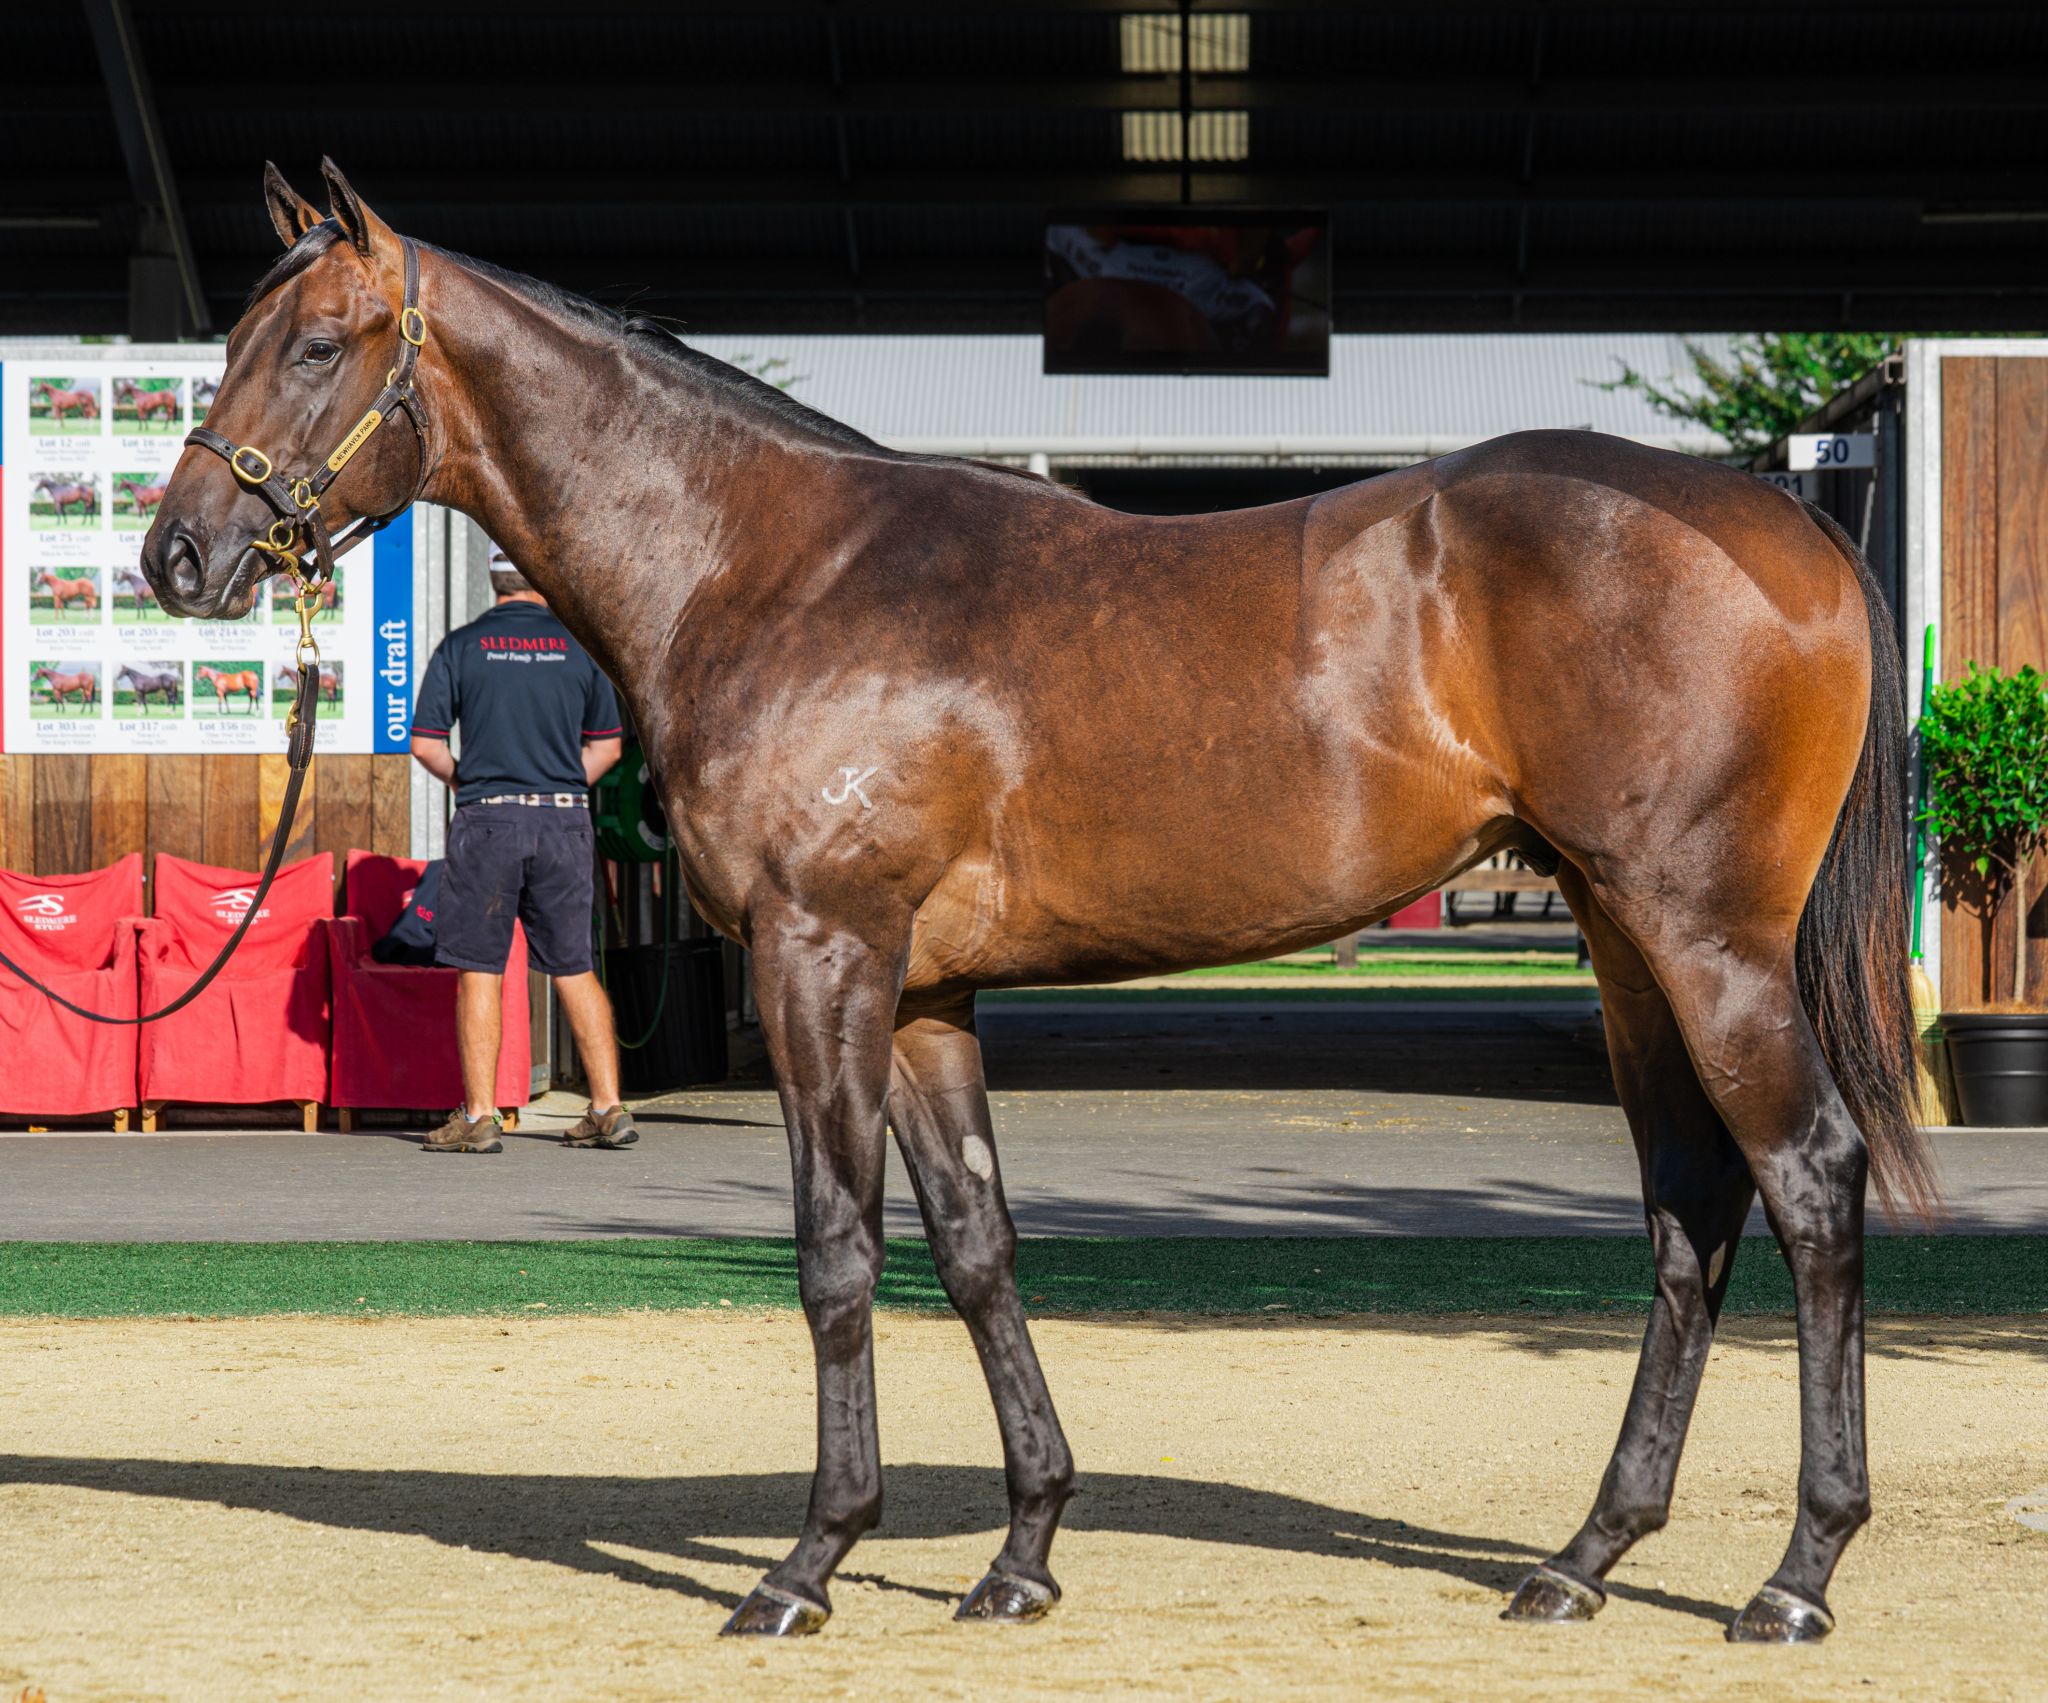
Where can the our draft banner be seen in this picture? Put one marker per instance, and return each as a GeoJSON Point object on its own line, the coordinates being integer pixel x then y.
{"type": "Point", "coordinates": [89, 435]}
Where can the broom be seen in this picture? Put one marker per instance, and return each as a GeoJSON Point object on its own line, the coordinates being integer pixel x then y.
{"type": "Point", "coordinates": [1937, 1086]}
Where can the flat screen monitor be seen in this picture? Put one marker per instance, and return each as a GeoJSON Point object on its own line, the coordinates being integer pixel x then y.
{"type": "Point", "coordinates": [1186, 290]}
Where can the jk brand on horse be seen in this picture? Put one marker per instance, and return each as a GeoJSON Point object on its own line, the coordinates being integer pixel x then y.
{"type": "Point", "coordinates": [1091, 745]}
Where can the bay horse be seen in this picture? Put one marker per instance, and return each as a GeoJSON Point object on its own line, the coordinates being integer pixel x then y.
{"type": "Point", "coordinates": [223, 681]}
{"type": "Point", "coordinates": [924, 727]}
{"type": "Point", "coordinates": [131, 581]}
{"type": "Point", "coordinates": [82, 494]}
{"type": "Point", "coordinates": [143, 499]}
{"type": "Point", "coordinates": [84, 403]}
{"type": "Point", "coordinates": [145, 404]}
{"type": "Point", "coordinates": [168, 683]}
{"type": "Point", "coordinates": [83, 685]}
{"type": "Point", "coordinates": [64, 592]}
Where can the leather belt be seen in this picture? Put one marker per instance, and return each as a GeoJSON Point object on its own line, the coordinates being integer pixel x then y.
{"type": "Point", "coordinates": [541, 800]}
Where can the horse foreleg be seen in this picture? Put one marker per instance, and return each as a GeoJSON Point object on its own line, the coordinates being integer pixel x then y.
{"type": "Point", "coordinates": [938, 1105]}
{"type": "Point", "coordinates": [828, 1000]}
{"type": "Point", "coordinates": [1696, 1194]}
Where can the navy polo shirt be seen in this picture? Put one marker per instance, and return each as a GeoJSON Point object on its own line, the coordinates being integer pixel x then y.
{"type": "Point", "coordinates": [526, 695]}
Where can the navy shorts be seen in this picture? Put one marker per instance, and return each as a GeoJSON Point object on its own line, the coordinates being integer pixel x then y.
{"type": "Point", "coordinates": [527, 861]}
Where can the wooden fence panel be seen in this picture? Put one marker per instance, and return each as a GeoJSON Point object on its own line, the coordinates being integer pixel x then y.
{"type": "Point", "coordinates": [120, 806]}
{"type": "Point", "coordinates": [232, 805]}
{"type": "Point", "coordinates": [177, 812]}
{"type": "Point", "coordinates": [343, 784]}
{"type": "Point", "coordinates": [63, 814]}
{"type": "Point", "coordinates": [18, 815]}
{"type": "Point", "coordinates": [391, 805]}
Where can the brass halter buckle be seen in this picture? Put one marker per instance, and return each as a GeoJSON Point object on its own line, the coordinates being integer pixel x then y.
{"type": "Point", "coordinates": [242, 472]}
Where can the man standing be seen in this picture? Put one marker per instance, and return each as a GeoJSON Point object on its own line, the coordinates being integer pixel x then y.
{"type": "Point", "coordinates": [539, 725]}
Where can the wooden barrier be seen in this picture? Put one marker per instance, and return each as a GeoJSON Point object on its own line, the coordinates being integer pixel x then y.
{"type": "Point", "coordinates": [63, 814]}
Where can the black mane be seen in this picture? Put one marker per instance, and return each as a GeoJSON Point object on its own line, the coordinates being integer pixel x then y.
{"type": "Point", "coordinates": [640, 332]}
{"type": "Point", "coordinates": [295, 260]}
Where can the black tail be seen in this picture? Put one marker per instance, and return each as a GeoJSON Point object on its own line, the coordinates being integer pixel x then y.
{"type": "Point", "coordinates": [1854, 970]}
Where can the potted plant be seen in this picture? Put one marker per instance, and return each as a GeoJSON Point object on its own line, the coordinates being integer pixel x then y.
{"type": "Point", "coordinates": [1984, 750]}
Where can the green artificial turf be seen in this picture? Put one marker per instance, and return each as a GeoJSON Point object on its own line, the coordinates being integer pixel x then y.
{"type": "Point", "coordinates": [1188, 990]}
{"type": "Point", "coordinates": [1420, 965]}
{"type": "Point", "coordinates": [1189, 1275]}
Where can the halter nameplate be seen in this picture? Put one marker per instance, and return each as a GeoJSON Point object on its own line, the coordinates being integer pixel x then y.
{"type": "Point", "coordinates": [354, 441]}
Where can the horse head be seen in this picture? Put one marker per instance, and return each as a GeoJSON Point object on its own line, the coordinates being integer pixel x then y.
{"type": "Point", "coordinates": [304, 364]}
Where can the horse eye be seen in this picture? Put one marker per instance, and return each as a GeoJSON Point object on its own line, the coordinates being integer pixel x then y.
{"type": "Point", "coordinates": [319, 352]}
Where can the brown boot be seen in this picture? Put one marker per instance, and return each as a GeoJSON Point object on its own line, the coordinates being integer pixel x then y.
{"type": "Point", "coordinates": [460, 1135]}
{"type": "Point", "coordinates": [602, 1129]}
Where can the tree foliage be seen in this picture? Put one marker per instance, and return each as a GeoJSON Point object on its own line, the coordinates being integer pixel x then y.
{"type": "Point", "coordinates": [1774, 380]}
{"type": "Point", "coordinates": [1984, 747]}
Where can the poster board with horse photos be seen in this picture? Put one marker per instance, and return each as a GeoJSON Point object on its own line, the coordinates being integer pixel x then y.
{"type": "Point", "coordinates": [89, 435]}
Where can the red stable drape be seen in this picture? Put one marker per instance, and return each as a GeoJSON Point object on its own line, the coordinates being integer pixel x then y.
{"type": "Point", "coordinates": [394, 1024]}
{"type": "Point", "coordinates": [77, 933]}
{"type": "Point", "coordinates": [261, 1030]}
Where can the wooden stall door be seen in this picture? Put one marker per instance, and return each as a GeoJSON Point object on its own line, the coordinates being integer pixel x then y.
{"type": "Point", "coordinates": [1994, 600]}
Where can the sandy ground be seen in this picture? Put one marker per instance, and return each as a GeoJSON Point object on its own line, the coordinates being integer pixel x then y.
{"type": "Point", "coordinates": [543, 1508]}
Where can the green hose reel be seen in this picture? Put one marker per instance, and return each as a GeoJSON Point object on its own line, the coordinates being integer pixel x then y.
{"type": "Point", "coordinates": [626, 812]}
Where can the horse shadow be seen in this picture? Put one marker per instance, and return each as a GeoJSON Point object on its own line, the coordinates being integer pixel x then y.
{"type": "Point", "coordinates": [562, 1519]}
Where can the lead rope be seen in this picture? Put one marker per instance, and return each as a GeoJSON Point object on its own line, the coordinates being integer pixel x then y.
{"type": "Point", "coordinates": [297, 504]}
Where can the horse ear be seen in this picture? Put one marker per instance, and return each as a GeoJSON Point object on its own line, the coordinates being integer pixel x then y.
{"type": "Point", "coordinates": [362, 227]}
{"type": "Point", "coordinates": [290, 212]}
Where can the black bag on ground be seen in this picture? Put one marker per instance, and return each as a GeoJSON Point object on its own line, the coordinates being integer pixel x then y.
{"type": "Point", "coordinates": [411, 940]}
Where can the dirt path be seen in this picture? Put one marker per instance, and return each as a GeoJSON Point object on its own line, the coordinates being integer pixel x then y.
{"type": "Point", "coordinates": [566, 1508]}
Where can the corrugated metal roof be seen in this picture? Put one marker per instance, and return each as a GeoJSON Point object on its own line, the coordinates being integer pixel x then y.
{"type": "Point", "coordinates": [1386, 397]}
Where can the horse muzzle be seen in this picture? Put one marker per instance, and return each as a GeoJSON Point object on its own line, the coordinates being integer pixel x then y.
{"type": "Point", "coordinates": [175, 561]}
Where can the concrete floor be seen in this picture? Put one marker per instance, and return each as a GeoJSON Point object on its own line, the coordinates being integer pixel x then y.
{"type": "Point", "coordinates": [1150, 1117]}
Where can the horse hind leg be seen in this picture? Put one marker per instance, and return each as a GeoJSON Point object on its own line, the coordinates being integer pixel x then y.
{"type": "Point", "coordinates": [938, 1104]}
{"type": "Point", "coordinates": [1696, 1194]}
{"type": "Point", "coordinates": [1728, 967]}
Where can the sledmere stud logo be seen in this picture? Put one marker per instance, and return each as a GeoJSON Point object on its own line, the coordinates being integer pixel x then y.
{"type": "Point", "coordinates": [45, 913]}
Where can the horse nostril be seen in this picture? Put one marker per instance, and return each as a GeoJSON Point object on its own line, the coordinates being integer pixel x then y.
{"type": "Point", "coordinates": [182, 567]}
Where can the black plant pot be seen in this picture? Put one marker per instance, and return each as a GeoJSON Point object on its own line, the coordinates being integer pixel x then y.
{"type": "Point", "coordinates": [2000, 1062]}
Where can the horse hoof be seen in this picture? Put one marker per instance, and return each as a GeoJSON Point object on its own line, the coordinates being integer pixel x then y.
{"type": "Point", "coordinates": [1776, 1616]}
{"type": "Point", "coordinates": [1007, 1598]}
{"type": "Point", "coordinates": [1548, 1597]}
{"type": "Point", "coordinates": [770, 1613]}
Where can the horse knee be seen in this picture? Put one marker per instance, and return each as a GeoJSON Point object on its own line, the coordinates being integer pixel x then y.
{"type": "Point", "coordinates": [837, 1282]}
{"type": "Point", "coordinates": [977, 1262]}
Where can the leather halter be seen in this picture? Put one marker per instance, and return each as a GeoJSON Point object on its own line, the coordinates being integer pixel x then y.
{"type": "Point", "coordinates": [296, 498]}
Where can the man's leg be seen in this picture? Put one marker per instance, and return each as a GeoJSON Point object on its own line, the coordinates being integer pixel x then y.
{"type": "Point", "coordinates": [479, 1026]}
{"type": "Point", "coordinates": [589, 1011]}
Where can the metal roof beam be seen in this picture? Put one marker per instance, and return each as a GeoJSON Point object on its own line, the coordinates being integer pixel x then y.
{"type": "Point", "coordinates": [150, 179]}
{"type": "Point", "coordinates": [399, 188]}
{"type": "Point", "coordinates": [795, 95]}
{"type": "Point", "coordinates": [1771, 273]}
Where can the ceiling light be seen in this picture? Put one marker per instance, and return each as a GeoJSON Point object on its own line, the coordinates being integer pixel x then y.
{"type": "Point", "coordinates": [1218, 136]}
{"type": "Point", "coordinates": [1217, 42]}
